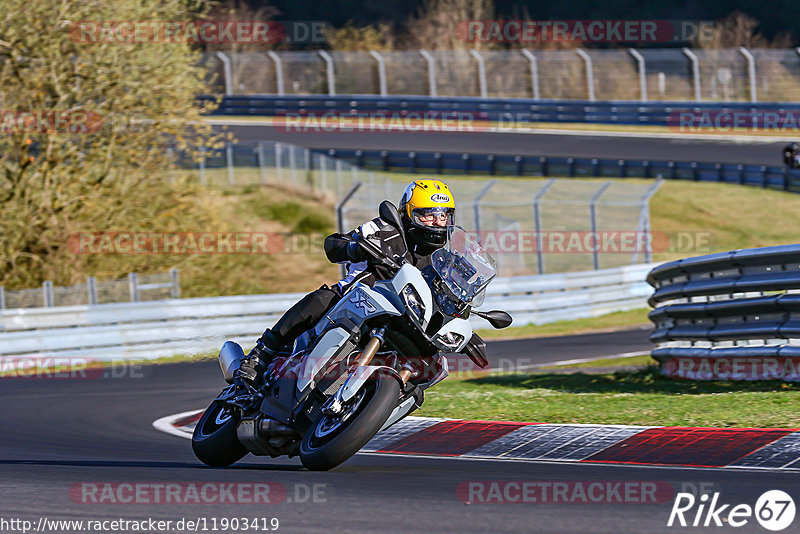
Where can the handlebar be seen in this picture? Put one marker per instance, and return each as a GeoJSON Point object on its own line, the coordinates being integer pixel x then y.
{"type": "Point", "coordinates": [376, 253]}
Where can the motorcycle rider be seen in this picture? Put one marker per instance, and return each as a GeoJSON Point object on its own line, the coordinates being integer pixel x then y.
{"type": "Point", "coordinates": [426, 209]}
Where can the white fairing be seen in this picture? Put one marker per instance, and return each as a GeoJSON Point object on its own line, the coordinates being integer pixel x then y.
{"type": "Point", "coordinates": [456, 326]}
{"type": "Point", "coordinates": [409, 274]}
{"type": "Point", "coordinates": [323, 351]}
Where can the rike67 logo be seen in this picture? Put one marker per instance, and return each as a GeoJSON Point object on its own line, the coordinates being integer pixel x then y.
{"type": "Point", "coordinates": [774, 510]}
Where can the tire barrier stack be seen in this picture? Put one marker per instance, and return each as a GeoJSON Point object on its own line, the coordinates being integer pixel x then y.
{"type": "Point", "coordinates": [729, 316]}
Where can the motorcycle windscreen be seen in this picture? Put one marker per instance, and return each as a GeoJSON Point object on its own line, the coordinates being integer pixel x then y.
{"type": "Point", "coordinates": [464, 266]}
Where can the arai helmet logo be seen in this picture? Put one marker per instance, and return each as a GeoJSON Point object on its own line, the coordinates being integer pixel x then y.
{"type": "Point", "coordinates": [440, 197]}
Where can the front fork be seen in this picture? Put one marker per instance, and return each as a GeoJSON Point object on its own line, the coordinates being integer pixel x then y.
{"type": "Point", "coordinates": [361, 373]}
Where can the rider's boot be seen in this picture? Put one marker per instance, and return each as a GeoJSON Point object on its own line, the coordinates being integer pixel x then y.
{"type": "Point", "coordinates": [253, 364]}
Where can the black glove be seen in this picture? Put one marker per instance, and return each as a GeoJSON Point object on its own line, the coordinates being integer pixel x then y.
{"type": "Point", "coordinates": [355, 253]}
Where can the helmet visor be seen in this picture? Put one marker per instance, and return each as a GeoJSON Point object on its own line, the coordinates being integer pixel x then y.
{"type": "Point", "coordinates": [433, 217]}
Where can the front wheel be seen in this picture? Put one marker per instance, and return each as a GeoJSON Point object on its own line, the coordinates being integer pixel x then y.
{"type": "Point", "coordinates": [334, 439]}
{"type": "Point", "coordinates": [214, 440]}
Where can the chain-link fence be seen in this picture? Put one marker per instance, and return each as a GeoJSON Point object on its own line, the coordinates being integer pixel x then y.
{"type": "Point", "coordinates": [530, 225]}
{"type": "Point", "coordinates": [736, 74]}
{"type": "Point", "coordinates": [133, 288]}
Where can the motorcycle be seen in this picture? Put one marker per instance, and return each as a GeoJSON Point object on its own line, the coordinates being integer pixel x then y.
{"type": "Point", "coordinates": [363, 367]}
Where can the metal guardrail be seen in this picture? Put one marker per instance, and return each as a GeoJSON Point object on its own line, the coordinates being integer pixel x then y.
{"type": "Point", "coordinates": [187, 326]}
{"type": "Point", "coordinates": [782, 178]}
{"type": "Point", "coordinates": [505, 110]}
{"type": "Point", "coordinates": [732, 315]}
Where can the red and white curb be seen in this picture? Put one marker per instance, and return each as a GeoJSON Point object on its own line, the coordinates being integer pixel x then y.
{"type": "Point", "coordinates": [759, 448]}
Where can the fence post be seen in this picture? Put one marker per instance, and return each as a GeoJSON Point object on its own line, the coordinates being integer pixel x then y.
{"type": "Point", "coordinates": [589, 72]}
{"type": "Point", "coordinates": [226, 67]}
{"type": "Point", "coordinates": [91, 288]}
{"type": "Point", "coordinates": [47, 292]}
{"type": "Point", "coordinates": [279, 162]}
{"type": "Point", "coordinates": [381, 72]}
{"type": "Point", "coordinates": [593, 216]}
{"type": "Point", "coordinates": [278, 71]}
{"type": "Point", "coordinates": [292, 165]}
{"type": "Point", "coordinates": [534, 71]}
{"type": "Point", "coordinates": [2, 298]}
{"type": "Point", "coordinates": [323, 178]}
{"type": "Point", "coordinates": [175, 290]}
{"type": "Point", "coordinates": [229, 162]}
{"type": "Point", "coordinates": [751, 72]}
{"type": "Point", "coordinates": [331, 76]}
{"type": "Point", "coordinates": [477, 207]}
{"type": "Point", "coordinates": [201, 165]}
{"type": "Point", "coordinates": [644, 223]}
{"type": "Point", "coordinates": [340, 217]}
{"type": "Point", "coordinates": [537, 221]}
{"type": "Point", "coordinates": [481, 72]}
{"type": "Point", "coordinates": [262, 168]}
{"type": "Point", "coordinates": [695, 71]}
{"type": "Point", "coordinates": [133, 287]}
{"type": "Point", "coordinates": [642, 73]}
{"type": "Point", "coordinates": [338, 177]}
{"type": "Point", "coordinates": [431, 72]}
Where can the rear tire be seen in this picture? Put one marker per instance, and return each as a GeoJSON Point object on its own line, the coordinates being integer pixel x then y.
{"type": "Point", "coordinates": [214, 440]}
{"type": "Point", "coordinates": [325, 446]}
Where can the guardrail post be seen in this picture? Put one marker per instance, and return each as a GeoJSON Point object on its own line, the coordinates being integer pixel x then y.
{"type": "Point", "coordinates": [642, 73]}
{"type": "Point", "coordinates": [2, 298]}
{"type": "Point", "coordinates": [331, 76]}
{"type": "Point", "coordinates": [646, 169]}
{"type": "Point", "coordinates": [91, 289]}
{"type": "Point", "coordinates": [175, 290]}
{"type": "Point", "coordinates": [751, 72]}
{"type": "Point", "coordinates": [47, 293]}
{"type": "Point", "coordinates": [623, 168]}
{"type": "Point", "coordinates": [481, 73]}
{"type": "Point", "coordinates": [477, 207]}
{"type": "Point", "coordinates": [740, 168]}
{"type": "Point", "coordinates": [133, 287]}
{"type": "Point", "coordinates": [543, 163]}
{"type": "Point", "coordinates": [226, 68]}
{"type": "Point", "coordinates": [695, 171]}
{"type": "Point", "coordinates": [672, 171]}
{"type": "Point", "coordinates": [412, 162]}
{"type": "Point", "coordinates": [720, 176]}
{"type": "Point", "coordinates": [519, 161]}
{"type": "Point", "coordinates": [589, 72]}
{"type": "Point", "coordinates": [381, 72]}
{"type": "Point", "coordinates": [695, 71]}
{"type": "Point", "coordinates": [537, 221]}
{"type": "Point", "coordinates": [466, 158]}
{"type": "Point", "coordinates": [438, 158]}
{"type": "Point", "coordinates": [534, 71]}
{"type": "Point", "coordinates": [431, 72]}
{"type": "Point", "coordinates": [339, 174]}
{"type": "Point", "coordinates": [385, 159]}
{"type": "Point", "coordinates": [229, 162]}
{"type": "Point", "coordinates": [593, 217]}
{"type": "Point", "coordinates": [279, 162]}
{"type": "Point", "coordinates": [292, 165]}
{"type": "Point", "coordinates": [340, 217]}
{"type": "Point", "coordinates": [595, 167]}
{"type": "Point", "coordinates": [764, 176]}
{"type": "Point", "coordinates": [571, 167]}
{"type": "Point", "coordinates": [278, 71]}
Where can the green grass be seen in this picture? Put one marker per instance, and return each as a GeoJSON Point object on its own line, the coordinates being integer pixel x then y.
{"type": "Point", "coordinates": [641, 397]}
{"type": "Point", "coordinates": [604, 323]}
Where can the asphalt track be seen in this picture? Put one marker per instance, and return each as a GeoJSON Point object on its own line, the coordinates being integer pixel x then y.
{"type": "Point", "coordinates": [750, 152]}
{"type": "Point", "coordinates": [61, 432]}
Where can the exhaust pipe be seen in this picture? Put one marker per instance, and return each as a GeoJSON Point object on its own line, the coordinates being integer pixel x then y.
{"type": "Point", "coordinates": [230, 358]}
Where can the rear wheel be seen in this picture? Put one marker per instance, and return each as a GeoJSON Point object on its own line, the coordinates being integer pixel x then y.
{"type": "Point", "coordinates": [214, 440]}
{"type": "Point", "coordinates": [335, 438]}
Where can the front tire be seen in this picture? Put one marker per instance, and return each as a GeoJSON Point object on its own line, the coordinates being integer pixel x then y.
{"type": "Point", "coordinates": [332, 440]}
{"type": "Point", "coordinates": [214, 440]}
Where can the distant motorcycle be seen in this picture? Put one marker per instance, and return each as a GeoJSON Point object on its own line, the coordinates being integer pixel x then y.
{"type": "Point", "coordinates": [791, 155]}
{"type": "Point", "coordinates": [363, 367]}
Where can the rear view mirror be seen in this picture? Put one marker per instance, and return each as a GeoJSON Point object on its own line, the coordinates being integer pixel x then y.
{"type": "Point", "coordinates": [388, 212]}
{"type": "Point", "coordinates": [497, 318]}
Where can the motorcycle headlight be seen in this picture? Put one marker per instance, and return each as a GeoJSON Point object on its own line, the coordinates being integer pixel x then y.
{"type": "Point", "coordinates": [413, 302]}
{"type": "Point", "coordinates": [451, 340]}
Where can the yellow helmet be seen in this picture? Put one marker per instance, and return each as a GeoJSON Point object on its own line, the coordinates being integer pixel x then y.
{"type": "Point", "coordinates": [427, 208]}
